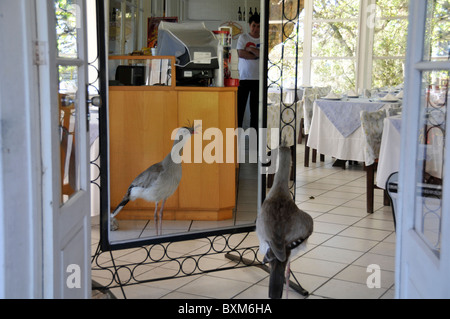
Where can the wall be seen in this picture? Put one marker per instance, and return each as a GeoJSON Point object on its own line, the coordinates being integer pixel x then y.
{"type": "Point", "coordinates": [199, 10]}
{"type": "Point", "coordinates": [20, 166]}
{"type": "Point", "coordinates": [218, 10]}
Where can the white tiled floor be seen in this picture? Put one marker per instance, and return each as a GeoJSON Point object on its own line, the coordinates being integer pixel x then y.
{"type": "Point", "coordinates": [346, 240]}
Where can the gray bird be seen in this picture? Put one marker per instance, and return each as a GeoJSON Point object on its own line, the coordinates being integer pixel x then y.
{"type": "Point", "coordinates": [281, 227]}
{"type": "Point", "coordinates": [159, 181]}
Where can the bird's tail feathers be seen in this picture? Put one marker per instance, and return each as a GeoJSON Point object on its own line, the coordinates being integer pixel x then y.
{"type": "Point", "coordinates": [119, 207]}
{"type": "Point", "coordinates": [117, 210]}
{"type": "Point", "coordinates": [277, 278]}
{"type": "Point", "coordinates": [278, 246]}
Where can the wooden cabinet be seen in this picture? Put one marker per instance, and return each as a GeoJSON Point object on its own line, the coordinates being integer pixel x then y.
{"type": "Point", "coordinates": [141, 122]}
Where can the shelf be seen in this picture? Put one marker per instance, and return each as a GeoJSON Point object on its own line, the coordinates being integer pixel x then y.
{"type": "Point", "coordinates": [127, 70]}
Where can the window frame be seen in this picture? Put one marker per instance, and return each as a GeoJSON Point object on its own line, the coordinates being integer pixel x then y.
{"type": "Point", "coordinates": [364, 56]}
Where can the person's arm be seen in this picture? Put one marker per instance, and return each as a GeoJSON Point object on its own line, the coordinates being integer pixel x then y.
{"type": "Point", "coordinates": [254, 51]}
{"type": "Point", "coordinates": [244, 54]}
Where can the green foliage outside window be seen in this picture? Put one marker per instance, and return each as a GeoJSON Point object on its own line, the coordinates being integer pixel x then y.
{"type": "Point", "coordinates": [335, 37]}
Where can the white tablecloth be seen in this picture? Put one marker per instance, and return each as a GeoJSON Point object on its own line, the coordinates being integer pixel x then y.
{"type": "Point", "coordinates": [327, 140]}
{"type": "Point", "coordinates": [388, 161]}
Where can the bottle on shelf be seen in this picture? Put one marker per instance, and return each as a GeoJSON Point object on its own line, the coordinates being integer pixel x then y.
{"type": "Point", "coordinates": [239, 14]}
{"type": "Point", "coordinates": [243, 16]}
{"type": "Point", "coordinates": [113, 15]}
{"type": "Point", "coordinates": [256, 11]}
{"type": "Point", "coordinates": [250, 13]}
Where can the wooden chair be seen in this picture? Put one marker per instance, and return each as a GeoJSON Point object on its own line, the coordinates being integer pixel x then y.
{"type": "Point", "coordinates": [68, 185]}
{"type": "Point", "coordinates": [392, 191]}
{"type": "Point", "coordinates": [309, 96]}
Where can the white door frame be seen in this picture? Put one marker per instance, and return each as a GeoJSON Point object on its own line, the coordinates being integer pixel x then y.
{"type": "Point", "coordinates": [66, 227]}
{"type": "Point", "coordinates": [33, 224]}
{"type": "Point", "coordinates": [20, 159]}
{"type": "Point", "coordinates": [420, 273]}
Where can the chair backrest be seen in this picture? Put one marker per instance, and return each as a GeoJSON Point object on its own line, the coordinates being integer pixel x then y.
{"type": "Point", "coordinates": [308, 103]}
{"type": "Point", "coordinates": [309, 96]}
{"type": "Point", "coordinates": [273, 98]}
{"type": "Point", "coordinates": [393, 111]}
{"type": "Point", "coordinates": [392, 190]}
{"type": "Point", "coordinates": [322, 91]}
{"type": "Point", "coordinates": [372, 130]}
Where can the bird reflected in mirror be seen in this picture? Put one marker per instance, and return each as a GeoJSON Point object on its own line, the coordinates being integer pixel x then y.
{"type": "Point", "coordinates": [159, 181]}
{"type": "Point", "coordinates": [282, 227]}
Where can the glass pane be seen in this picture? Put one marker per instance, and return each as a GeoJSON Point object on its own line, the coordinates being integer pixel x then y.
{"type": "Point", "coordinates": [334, 39]}
{"type": "Point", "coordinates": [115, 22]}
{"type": "Point", "coordinates": [285, 43]}
{"type": "Point", "coordinates": [68, 88]}
{"type": "Point", "coordinates": [392, 8]}
{"type": "Point", "coordinates": [387, 72]}
{"type": "Point", "coordinates": [340, 74]}
{"type": "Point", "coordinates": [67, 21]}
{"type": "Point", "coordinates": [390, 37]}
{"type": "Point", "coordinates": [437, 35]}
{"type": "Point", "coordinates": [131, 33]}
{"type": "Point", "coordinates": [283, 22]}
{"type": "Point", "coordinates": [430, 158]}
{"type": "Point", "coordinates": [390, 27]}
{"type": "Point", "coordinates": [123, 27]}
{"type": "Point", "coordinates": [342, 9]}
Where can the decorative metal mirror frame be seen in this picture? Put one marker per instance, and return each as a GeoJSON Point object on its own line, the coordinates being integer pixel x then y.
{"type": "Point", "coordinates": [156, 251]}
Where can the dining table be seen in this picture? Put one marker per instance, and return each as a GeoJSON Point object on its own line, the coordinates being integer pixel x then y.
{"type": "Point", "coordinates": [430, 149]}
{"type": "Point", "coordinates": [336, 126]}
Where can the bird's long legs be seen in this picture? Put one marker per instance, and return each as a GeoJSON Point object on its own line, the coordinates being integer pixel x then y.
{"type": "Point", "coordinates": [160, 216]}
{"type": "Point", "coordinates": [155, 217]}
{"type": "Point", "coordinates": [287, 275]}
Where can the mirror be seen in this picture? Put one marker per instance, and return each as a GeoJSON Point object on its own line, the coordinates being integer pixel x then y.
{"type": "Point", "coordinates": [218, 193]}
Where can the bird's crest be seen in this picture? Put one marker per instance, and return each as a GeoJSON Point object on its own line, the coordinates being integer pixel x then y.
{"type": "Point", "coordinates": [192, 127]}
{"type": "Point", "coordinates": [189, 124]}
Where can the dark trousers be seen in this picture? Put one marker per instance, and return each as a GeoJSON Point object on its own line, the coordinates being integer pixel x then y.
{"type": "Point", "coordinates": [246, 88]}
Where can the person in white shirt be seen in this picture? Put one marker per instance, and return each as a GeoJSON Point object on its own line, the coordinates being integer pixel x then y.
{"type": "Point", "coordinates": [248, 51]}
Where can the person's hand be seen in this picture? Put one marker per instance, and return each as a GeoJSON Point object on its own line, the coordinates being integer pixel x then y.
{"type": "Point", "coordinates": [253, 50]}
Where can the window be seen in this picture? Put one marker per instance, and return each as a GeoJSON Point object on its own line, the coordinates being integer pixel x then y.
{"type": "Point", "coordinates": [390, 28]}
{"type": "Point", "coordinates": [334, 42]}
{"type": "Point", "coordinates": [346, 44]}
{"type": "Point", "coordinates": [285, 43]}
{"type": "Point", "coordinates": [438, 32]}
{"type": "Point", "coordinates": [125, 26]}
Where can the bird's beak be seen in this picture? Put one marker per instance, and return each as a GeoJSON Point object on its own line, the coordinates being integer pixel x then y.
{"type": "Point", "coordinates": [195, 130]}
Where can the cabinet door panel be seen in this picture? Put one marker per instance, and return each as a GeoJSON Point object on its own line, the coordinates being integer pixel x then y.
{"type": "Point", "coordinates": [141, 124]}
